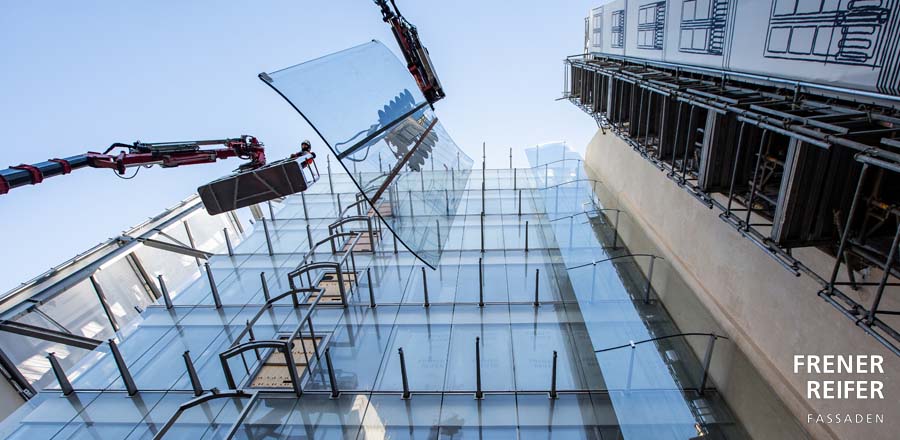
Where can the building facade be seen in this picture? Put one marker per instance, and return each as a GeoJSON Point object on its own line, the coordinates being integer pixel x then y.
{"type": "Point", "coordinates": [537, 322]}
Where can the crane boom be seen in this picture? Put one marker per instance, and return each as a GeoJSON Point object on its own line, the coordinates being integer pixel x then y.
{"type": "Point", "coordinates": [254, 181]}
{"type": "Point", "coordinates": [417, 59]}
{"type": "Point", "coordinates": [164, 154]}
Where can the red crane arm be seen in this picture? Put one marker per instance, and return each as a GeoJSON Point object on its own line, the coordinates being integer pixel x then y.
{"type": "Point", "coordinates": [166, 155]}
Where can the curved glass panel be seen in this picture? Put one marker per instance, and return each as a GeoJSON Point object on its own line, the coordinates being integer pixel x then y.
{"type": "Point", "coordinates": [364, 104]}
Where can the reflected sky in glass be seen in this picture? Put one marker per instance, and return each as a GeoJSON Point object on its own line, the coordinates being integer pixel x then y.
{"type": "Point", "coordinates": [366, 107]}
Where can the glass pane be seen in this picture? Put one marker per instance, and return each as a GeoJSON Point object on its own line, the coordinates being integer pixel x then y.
{"type": "Point", "coordinates": [78, 310]}
{"type": "Point", "coordinates": [123, 290]}
{"type": "Point", "coordinates": [381, 129]}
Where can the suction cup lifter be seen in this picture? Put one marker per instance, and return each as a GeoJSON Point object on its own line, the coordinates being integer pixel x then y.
{"type": "Point", "coordinates": [245, 188]}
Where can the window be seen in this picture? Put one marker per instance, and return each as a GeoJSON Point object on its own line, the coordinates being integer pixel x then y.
{"type": "Point", "coordinates": [651, 26]}
{"type": "Point", "coordinates": [703, 26]}
{"type": "Point", "coordinates": [617, 30]}
{"type": "Point", "coordinates": [597, 28]}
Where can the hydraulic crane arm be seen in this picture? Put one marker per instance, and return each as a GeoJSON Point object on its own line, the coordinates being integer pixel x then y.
{"type": "Point", "coordinates": [120, 157]}
{"type": "Point", "coordinates": [417, 60]}
{"type": "Point", "coordinates": [254, 182]}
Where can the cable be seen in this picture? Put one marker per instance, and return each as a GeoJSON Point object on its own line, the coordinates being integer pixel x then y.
{"type": "Point", "coordinates": [136, 170]}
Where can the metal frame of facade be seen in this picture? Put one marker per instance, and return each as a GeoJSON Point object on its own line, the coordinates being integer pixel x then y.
{"type": "Point", "coordinates": [335, 254]}
{"type": "Point", "coordinates": [787, 168]}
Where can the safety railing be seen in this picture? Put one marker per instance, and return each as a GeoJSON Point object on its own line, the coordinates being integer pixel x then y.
{"type": "Point", "coordinates": [206, 398]}
{"type": "Point", "coordinates": [682, 368]}
{"type": "Point", "coordinates": [284, 345]}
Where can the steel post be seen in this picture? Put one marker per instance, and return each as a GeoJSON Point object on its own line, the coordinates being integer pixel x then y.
{"type": "Point", "coordinates": [478, 393]}
{"type": "Point", "coordinates": [553, 394]}
{"type": "Point", "coordinates": [165, 291]}
{"type": "Point", "coordinates": [265, 286]}
{"type": "Point", "coordinates": [526, 235]}
{"type": "Point", "coordinates": [480, 283]}
{"type": "Point", "coordinates": [228, 242]}
{"type": "Point", "coordinates": [305, 210]}
{"type": "Point", "coordinates": [192, 374]}
{"type": "Point", "coordinates": [403, 374]}
{"type": "Point", "coordinates": [520, 203]}
{"type": "Point", "coordinates": [335, 393]}
{"type": "Point", "coordinates": [330, 179]}
{"type": "Point", "coordinates": [60, 374]}
{"type": "Point", "coordinates": [371, 288]}
{"type": "Point", "coordinates": [212, 286]}
{"type": "Point", "coordinates": [707, 360]}
{"type": "Point", "coordinates": [481, 219]}
{"type": "Point", "coordinates": [425, 287]}
{"type": "Point", "coordinates": [123, 368]}
{"type": "Point", "coordinates": [268, 238]}
{"type": "Point", "coordinates": [447, 201]}
{"type": "Point", "coordinates": [616, 230]}
{"type": "Point", "coordinates": [648, 287]}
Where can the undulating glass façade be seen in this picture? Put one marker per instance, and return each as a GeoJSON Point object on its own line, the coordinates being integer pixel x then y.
{"type": "Point", "coordinates": [539, 228]}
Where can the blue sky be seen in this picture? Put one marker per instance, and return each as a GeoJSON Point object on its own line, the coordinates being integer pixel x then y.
{"type": "Point", "coordinates": [79, 76]}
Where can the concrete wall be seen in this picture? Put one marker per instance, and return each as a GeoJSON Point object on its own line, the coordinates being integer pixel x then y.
{"type": "Point", "coordinates": [9, 399]}
{"type": "Point", "coordinates": [769, 314]}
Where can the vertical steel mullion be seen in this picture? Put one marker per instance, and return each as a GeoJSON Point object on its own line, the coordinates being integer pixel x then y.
{"type": "Point", "coordinates": [631, 106]}
{"type": "Point", "coordinates": [734, 169]}
{"type": "Point", "coordinates": [689, 144]}
{"type": "Point", "coordinates": [846, 233]}
{"type": "Point", "coordinates": [759, 153]}
{"type": "Point", "coordinates": [675, 139]}
{"type": "Point", "coordinates": [649, 114]}
{"type": "Point", "coordinates": [637, 126]}
{"type": "Point", "coordinates": [610, 95]}
{"type": "Point", "coordinates": [662, 126]}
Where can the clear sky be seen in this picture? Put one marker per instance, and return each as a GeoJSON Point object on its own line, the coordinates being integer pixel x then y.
{"type": "Point", "coordinates": [80, 75]}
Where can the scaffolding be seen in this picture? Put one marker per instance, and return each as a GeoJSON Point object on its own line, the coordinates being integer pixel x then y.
{"type": "Point", "coordinates": [786, 167]}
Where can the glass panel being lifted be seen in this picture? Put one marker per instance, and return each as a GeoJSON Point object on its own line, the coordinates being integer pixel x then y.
{"type": "Point", "coordinates": [366, 107]}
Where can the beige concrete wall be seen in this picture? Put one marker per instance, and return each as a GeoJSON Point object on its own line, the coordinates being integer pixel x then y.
{"type": "Point", "coordinates": [9, 399]}
{"type": "Point", "coordinates": [769, 314]}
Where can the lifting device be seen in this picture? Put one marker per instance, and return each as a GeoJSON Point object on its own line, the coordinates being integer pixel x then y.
{"type": "Point", "coordinates": [253, 182]}
{"type": "Point", "coordinates": [417, 59]}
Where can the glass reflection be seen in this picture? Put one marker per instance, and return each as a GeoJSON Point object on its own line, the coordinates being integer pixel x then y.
{"type": "Point", "coordinates": [383, 132]}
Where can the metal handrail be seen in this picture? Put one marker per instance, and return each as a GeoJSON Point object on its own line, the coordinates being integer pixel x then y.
{"type": "Point", "coordinates": [615, 258]}
{"type": "Point", "coordinates": [589, 211]}
{"type": "Point", "coordinates": [707, 357]}
{"type": "Point", "coordinates": [632, 344]}
{"type": "Point", "coordinates": [268, 305]}
{"type": "Point", "coordinates": [357, 218]}
{"type": "Point", "coordinates": [557, 161]}
{"type": "Point", "coordinates": [569, 182]}
{"type": "Point", "coordinates": [199, 401]}
{"type": "Point", "coordinates": [330, 239]}
{"type": "Point", "coordinates": [286, 346]}
{"type": "Point", "coordinates": [341, 261]}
